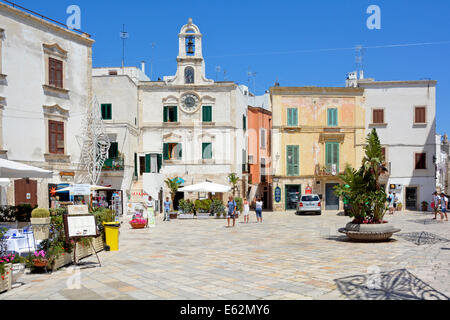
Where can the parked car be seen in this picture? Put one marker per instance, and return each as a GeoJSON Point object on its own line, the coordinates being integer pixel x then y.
{"type": "Point", "coordinates": [292, 198]}
{"type": "Point", "coordinates": [309, 203]}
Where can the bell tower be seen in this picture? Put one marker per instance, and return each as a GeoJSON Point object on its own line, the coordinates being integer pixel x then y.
{"type": "Point", "coordinates": [191, 66]}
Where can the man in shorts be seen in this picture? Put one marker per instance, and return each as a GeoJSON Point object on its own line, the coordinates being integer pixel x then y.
{"type": "Point", "coordinates": [390, 199]}
{"type": "Point", "coordinates": [231, 205]}
{"type": "Point", "coordinates": [444, 204]}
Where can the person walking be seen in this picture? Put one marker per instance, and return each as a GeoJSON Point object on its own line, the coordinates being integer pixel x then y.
{"type": "Point", "coordinates": [258, 209]}
{"type": "Point", "coordinates": [246, 210]}
{"type": "Point", "coordinates": [444, 204]}
{"type": "Point", "coordinates": [436, 200]}
{"type": "Point", "coordinates": [390, 200]}
{"type": "Point", "coordinates": [231, 211]}
{"type": "Point", "coordinates": [167, 204]}
{"type": "Point", "coordinates": [395, 201]}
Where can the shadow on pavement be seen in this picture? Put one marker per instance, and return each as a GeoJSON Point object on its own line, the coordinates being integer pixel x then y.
{"type": "Point", "coordinates": [393, 285]}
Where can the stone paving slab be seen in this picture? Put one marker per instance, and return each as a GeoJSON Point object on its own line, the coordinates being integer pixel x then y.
{"type": "Point", "coordinates": [285, 257]}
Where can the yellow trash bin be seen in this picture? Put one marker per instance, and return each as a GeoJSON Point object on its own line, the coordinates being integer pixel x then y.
{"type": "Point", "coordinates": [112, 235]}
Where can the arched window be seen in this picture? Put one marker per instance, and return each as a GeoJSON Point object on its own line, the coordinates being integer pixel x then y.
{"type": "Point", "coordinates": [189, 75]}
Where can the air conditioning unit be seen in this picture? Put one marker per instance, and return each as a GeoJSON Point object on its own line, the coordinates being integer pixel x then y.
{"type": "Point", "coordinates": [250, 159]}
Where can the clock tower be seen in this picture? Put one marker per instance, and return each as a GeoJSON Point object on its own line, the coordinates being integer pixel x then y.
{"type": "Point", "coordinates": [190, 63]}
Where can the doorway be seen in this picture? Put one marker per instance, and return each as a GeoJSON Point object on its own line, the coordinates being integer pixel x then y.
{"type": "Point", "coordinates": [331, 200]}
{"type": "Point", "coordinates": [411, 198]}
{"type": "Point", "coordinates": [25, 191]}
{"type": "Point", "coordinates": [292, 195]}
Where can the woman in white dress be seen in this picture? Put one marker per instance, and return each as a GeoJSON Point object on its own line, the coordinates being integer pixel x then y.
{"type": "Point", "coordinates": [246, 211]}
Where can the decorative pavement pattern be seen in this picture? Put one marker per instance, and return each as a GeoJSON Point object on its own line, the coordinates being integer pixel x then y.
{"type": "Point", "coordinates": [421, 238]}
{"type": "Point", "coordinates": [285, 257]}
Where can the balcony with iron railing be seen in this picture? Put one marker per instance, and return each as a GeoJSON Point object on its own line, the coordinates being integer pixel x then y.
{"type": "Point", "coordinates": [113, 164]}
{"type": "Point", "coordinates": [327, 170]}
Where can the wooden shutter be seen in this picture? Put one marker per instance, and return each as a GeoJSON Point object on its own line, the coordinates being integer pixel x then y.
{"type": "Point", "coordinates": [56, 137]}
{"type": "Point", "coordinates": [179, 151]}
{"type": "Point", "coordinates": [135, 165]}
{"type": "Point", "coordinates": [159, 161]}
{"type": "Point", "coordinates": [244, 122]}
{"type": "Point", "coordinates": [175, 114]}
{"type": "Point", "coordinates": [207, 114]}
{"type": "Point", "coordinates": [166, 151]}
{"type": "Point", "coordinates": [378, 116]}
{"type": "Point", "coordinates": [292, 117]}
{"type": "Point", "coordinates": [332, 155]}
{"type": "Point", "coordinates": [420, 115]}
{"type": "Point", "coordinates": [292, 157]}
{"type": "Point", "coordinates": [147, 163]}
{"type": "Point", "coordinates": [165, 114]}
{"type": "Point", "coordinates": [55, 76]}
{"type": "Point", "coordinates": [332, 117]}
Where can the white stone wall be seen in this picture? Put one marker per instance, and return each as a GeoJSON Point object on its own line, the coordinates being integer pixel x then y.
{"type": "Point", "coordinates": [25, 64]}
{"type": "Point", "coordinates": [401, 137]}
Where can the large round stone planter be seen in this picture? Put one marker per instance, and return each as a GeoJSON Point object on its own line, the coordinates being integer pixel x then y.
{"type": "Point", "coordinates": [41, 228]}
{"type": "Point", "coordinates": [369, 232]}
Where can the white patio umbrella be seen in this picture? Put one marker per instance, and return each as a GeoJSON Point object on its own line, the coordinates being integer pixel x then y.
{"type": "Point", "coordinates": [13, 169]}
{"type": "Point", "coordinates": [206, 187]}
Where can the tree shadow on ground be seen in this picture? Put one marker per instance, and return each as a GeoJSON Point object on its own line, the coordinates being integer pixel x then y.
{"type": "Point", "coordinates": [421, 238]}
{"type": "Point", "coordinates": [344, 238]}
{"type": "Point", "coordinates": [393, 285]}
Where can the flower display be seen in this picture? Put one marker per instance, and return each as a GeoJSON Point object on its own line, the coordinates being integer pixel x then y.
{"type": "Point", "coordinates": [139, 221]}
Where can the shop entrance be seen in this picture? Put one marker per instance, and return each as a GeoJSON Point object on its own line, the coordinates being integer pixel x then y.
{"type": "Point", "coordinates": [292, 195]}
{"type": "Point", "coordinates": [25, 191]}
{"type": "Point", "coordinates": [411, 198]}
{"type": "Point", "coordinates": [331, 200]}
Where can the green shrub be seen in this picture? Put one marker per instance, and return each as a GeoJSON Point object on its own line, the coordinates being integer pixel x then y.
{"type": "Point", "coordinates": [239, 203]}
{"type": "Point", "coordinates": [218, 207]}
{"type": "Point", "coordinates": [203, 205]}
{"type": "Point", "coordinates": [185, 206]}
{"type": "Point", "coordinates": [40, 213]}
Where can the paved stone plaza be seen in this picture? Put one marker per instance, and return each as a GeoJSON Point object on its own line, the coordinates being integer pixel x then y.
{"type": "Point", "coordinates": [285, 257]}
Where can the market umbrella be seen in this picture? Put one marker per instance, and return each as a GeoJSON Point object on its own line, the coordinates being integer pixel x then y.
{"type": "Point", "coordinates": [206, 187]}
{"type": "Point", "coordinates": [13, 169]}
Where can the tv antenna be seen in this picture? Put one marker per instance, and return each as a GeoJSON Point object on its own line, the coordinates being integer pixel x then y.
{"type": "Point", "coordinates": [217, 72]}
{"type": "Point", "coordinates": [151, 60]}
{"type": "Point", "coordinates": [123, 36]}
{"type": "Point", "coordinates": [359, 59]}
{"type": "Point", "coordinates": [251, 76]}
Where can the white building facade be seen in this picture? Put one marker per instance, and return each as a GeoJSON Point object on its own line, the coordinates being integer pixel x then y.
{"type": "Point", "coordinates": [45, 90]}
{"type": "Point", "coordinates": [403, 113]}
{"type": "Point", "coordinates": [191, 126]}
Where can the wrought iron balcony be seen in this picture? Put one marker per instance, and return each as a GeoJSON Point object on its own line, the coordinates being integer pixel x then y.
{"type": "Point", "coordinates": [113, 164]}
{"type": "Point", "coordinates": [327, 170]}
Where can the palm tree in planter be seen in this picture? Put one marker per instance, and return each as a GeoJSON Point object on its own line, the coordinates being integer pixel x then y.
{"type": "Point", "coordinates": [173, 185]}
{"type": "Point", "coordinates": [233, 180]}
{"type": "Point", "coordinates": [366, 197]}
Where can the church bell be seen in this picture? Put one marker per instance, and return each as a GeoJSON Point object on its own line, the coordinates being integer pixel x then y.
{"type": "Point", "coordinates": [190, 46]}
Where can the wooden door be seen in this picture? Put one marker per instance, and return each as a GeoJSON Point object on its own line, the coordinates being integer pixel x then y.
{"type": "Point", "coordinates": [25, 191]}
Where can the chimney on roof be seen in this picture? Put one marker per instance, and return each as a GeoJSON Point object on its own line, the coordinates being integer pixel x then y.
{"type": "Point", "coordinates": [143, 66]}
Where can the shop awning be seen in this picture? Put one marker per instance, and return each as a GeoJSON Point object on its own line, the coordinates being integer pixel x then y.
{"type": "Point", "coordinates": [13, 169]}
{"type": "Point", "coordinates": [206, 187]}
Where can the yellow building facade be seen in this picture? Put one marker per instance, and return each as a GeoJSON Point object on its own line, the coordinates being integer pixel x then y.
{"type": "Point", "coordinates": [316, 132]}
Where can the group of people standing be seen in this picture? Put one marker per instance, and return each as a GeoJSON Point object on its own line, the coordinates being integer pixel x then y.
{"type": "Point", "coordinates": [232, 206]}
{"type": "Point", "coordinates": [439, 205]}
{"type": "Point", "coordinates": [392, 199]}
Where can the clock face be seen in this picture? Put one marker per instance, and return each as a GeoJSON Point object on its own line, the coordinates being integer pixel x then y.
{"type": "Point", "coordinates": [189, 102]}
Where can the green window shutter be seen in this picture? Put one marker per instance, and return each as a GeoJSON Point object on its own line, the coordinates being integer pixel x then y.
{"type": "Point", "coordinates": [165, 111]}
{"type": "Point", "coordinates": [180, 151]}
{"type": "Point", "coordinates": [244, 120]}
{"type": "Point", "coordinates": [109, 108]}
{"type": "Point", "coordinates": [332, 155]}
{"type": "Point", "coordinates": [103, 111]}
{"type": "Point", "coordinates": [135, 165]}
{"type": "Point", "coordinates": [296, 164]}
{"type": "Point", "coordinates": [159, 160]}
{"type": "Point", "coordinates": [332, 117]}
{"type": "Point", "coordinates": [292, 117]}
{"type": "Point", "coordinates": [206, 150]}
{"type": "Point", "coordinates": [175, 119]}
{"type": "Point", "coordinates": [166, 151]}
{"type": "Point", "coordinates": [113, 151]}
{"type": "Point", "coordinates": [207, 114]}
{"type": "Point", "coordinates": [147, 163]}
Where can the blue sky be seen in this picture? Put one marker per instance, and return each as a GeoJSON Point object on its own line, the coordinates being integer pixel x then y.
{"type": "Point", "coordinates": [255, 35]}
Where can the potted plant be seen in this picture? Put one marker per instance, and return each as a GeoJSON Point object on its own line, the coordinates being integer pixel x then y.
{"type": "Point", "coordinates": [138, 223]}
{"type": "Point", "coordinates": [187, 209]}
{"type": "Point", "coordinates": [218, 208]}
{"type": "Point", "coordinates": [203, 208]}
{"type": "Point", "coordinates": [40, 220]}
{"type": "Point", "coordinates": [5, 272]}
{"type": "Point", "coordinates": [173, 185]}
{"type": "Point", "coordinates": [40, 259]}
{"type": "Point", "coordinates": [424, 206]}
{"type": "Point", "coordinates": [366, 198]}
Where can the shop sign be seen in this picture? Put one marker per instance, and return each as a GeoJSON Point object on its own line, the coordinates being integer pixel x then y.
{"type": "Point", "coordinates": [277, 194]}
{"type": "Point", "coordinates": [80, 190]}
